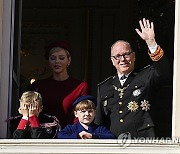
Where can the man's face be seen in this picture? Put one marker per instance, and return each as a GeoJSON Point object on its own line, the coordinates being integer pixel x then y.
{"type": "Point", "coordinates": [122, 57]}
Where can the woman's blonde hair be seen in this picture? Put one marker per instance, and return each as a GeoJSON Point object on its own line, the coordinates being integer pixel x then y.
{"type": "Point", "coordinates": [56, 49]}
{"type": "Point", "coordinates": [31, 97]}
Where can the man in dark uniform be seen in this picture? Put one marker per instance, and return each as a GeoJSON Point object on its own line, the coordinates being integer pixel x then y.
{"type": "Point", "coordinates": [123, 101]}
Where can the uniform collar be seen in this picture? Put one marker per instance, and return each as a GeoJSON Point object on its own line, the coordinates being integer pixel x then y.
{"type": "Point", "coordinates": [130, 77]}
{"type": "Point", "coordinates": [120, 75]}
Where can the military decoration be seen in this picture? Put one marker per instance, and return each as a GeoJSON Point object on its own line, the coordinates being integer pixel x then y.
{"type": "Point", "coordinates": [49, 130]}
{"type": "Point", "coordinates": [136, 92]}
{"type": "Point", "coordinates": [120, 90]}
{"type": "Point", "coordinates": [133, 106]}
{"type": "Point", "coordinates": [145, 105]}
{"type": "Point", "coordinates": [105, 103]}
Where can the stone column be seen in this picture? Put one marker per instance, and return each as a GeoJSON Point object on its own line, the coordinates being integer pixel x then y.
{"type": "Point", "coordinates": [176, 78]}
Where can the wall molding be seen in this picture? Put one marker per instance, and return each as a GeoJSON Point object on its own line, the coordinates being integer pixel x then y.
{"type": "Point", "coordinates": [87, 146]}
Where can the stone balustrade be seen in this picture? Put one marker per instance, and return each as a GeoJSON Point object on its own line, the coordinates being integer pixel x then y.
{"type": "Point", "coordinates": [44, 146]}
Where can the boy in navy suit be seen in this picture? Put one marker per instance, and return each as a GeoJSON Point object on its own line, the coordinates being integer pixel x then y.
{"type": "Point", "coordinates": [85, 111]}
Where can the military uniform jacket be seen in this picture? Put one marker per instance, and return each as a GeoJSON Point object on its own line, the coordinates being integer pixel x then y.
{"type": "Point", "coordinates": [48, 127]}
{"type": "Point", "coordinates": [125, 109]}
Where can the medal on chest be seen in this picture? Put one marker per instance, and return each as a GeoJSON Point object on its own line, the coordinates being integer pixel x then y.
{"type": "Point", "coordinates": [120, 90]}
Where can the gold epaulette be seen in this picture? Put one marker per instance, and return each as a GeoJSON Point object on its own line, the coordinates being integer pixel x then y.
{"type": "Point", "coordinates": [105, 80]}
{"type": "Point", "coordinates": [157, 55]}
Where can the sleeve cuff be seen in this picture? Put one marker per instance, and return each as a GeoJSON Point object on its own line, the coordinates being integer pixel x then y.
{"type": "Point", "coordinates": [157, 55]}
{"type": "Point", "coordinates": [34, 121]}
{"type": "Point", "coordinates": [25, 118]}
{"type": "Point", "coordinates": [153, 49]}
{"type": "Point", "coordinates": [23, 124]}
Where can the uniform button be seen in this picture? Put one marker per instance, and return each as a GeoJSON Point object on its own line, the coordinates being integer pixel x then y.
{"type": "Point", "coordinates": [120, 111]}
{"type": "Point", "coordinates": [120, 103]}
{"type": "Point", "coordinates": [121, 120]}
{"type": "Point", "coordinates": [148, 125]}
{"type": "Point", "coordinates": [136, 86]}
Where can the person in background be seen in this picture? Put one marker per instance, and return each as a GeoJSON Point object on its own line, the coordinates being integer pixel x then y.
{"type": "Point", "coordinates": [31, 123]}
{"type": "Point", "coordinates": [123, 101]}
{"type": "Point", "coordinates": [60, 90]}
{"type": "Point", "coordinates": [85, 110]}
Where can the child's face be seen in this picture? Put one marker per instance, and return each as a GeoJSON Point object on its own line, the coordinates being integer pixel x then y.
{"type": "Point", "coordinates": [85, 116]}
{"type": "Point", "coordinates": [24, 104]}
{"type": "Point", "coordinates": [30, 109]}
{"type": "Point", "coordinates": [27, 104]}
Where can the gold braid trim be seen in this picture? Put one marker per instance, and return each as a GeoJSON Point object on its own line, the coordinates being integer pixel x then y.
{"type": "Point", "coordinates": [157, 55]}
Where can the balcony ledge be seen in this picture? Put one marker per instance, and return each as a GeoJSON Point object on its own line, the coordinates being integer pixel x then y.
{"type": "Point", "coordinates": [44, 146]}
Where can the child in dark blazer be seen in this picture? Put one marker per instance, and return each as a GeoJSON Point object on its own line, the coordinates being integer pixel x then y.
{"type": "Point", "coordinates": [85, 111]}
{"type": "Point", "coordinates": [31, 123]}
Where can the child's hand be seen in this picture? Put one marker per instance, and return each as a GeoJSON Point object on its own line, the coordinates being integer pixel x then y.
{"type": "Point", "coordinates": [85, 135]}
{"type": "Point", "coordinates": [33, 110]}
{"type": "Point", "coordinates": [24, 110]}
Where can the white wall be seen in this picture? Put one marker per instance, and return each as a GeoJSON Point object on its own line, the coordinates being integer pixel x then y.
{"type": "Point", "coordinates": [176, 83]}
{"type": "Point", "coordinates": [5, 65]}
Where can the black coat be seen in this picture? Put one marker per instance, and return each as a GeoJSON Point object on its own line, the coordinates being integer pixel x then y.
{"type": "Point", "coordinates": [126, 109]}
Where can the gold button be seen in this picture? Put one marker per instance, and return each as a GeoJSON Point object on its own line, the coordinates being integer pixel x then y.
{"type": "Point", "coordinates": [120, 103]}
{"type": "Point", "coordinates": [120, 111]}
{"type": "Point", "coordinates": [121, 120]}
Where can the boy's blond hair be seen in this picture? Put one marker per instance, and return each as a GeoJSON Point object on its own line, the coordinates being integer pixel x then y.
{"type": "Point", "coordinates": [31, 97]}
{"type": "Point", "coordinates": [85, 104]}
